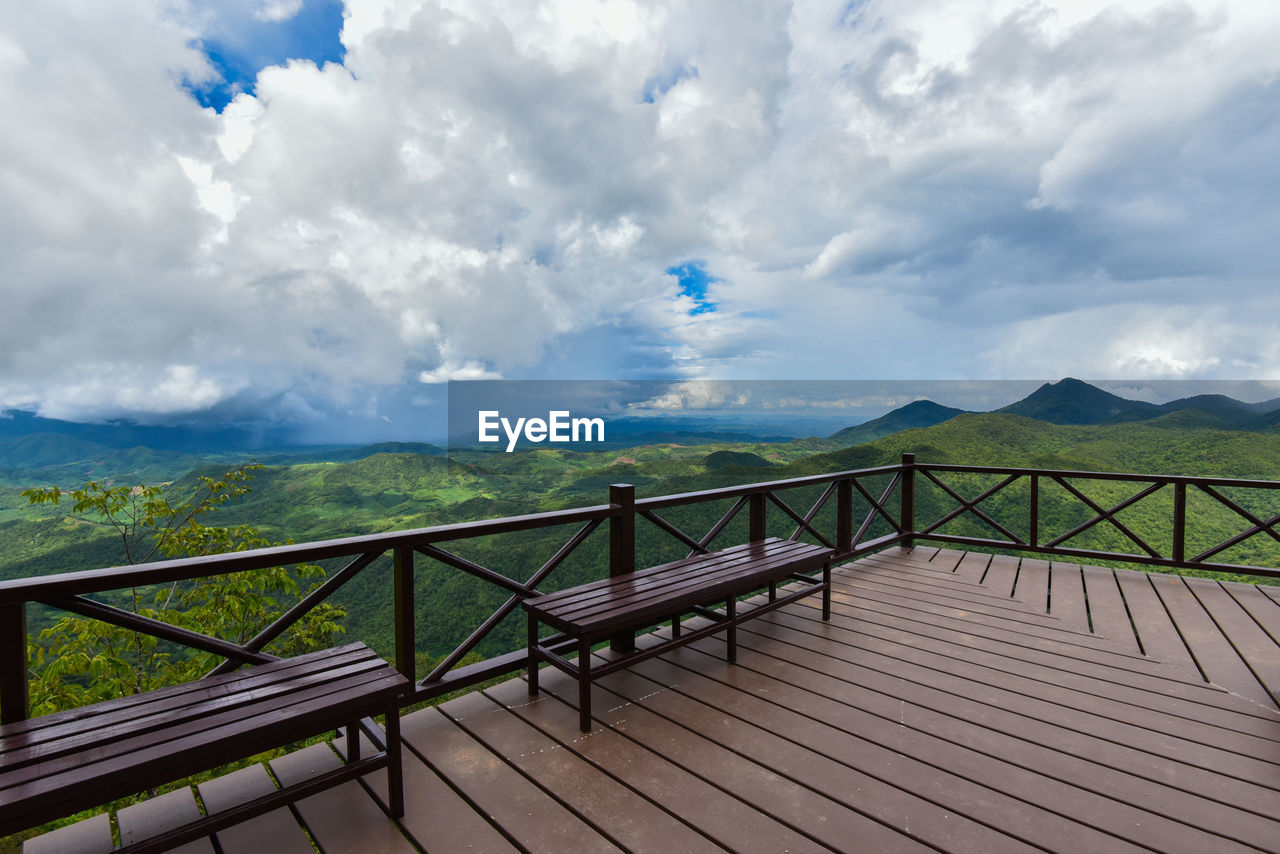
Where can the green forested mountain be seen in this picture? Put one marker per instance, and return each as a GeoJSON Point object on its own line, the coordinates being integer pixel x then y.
{"type": "Point", "coordinates": [917, 413]}
{"type": "Point", "coordinates": [305, 499]}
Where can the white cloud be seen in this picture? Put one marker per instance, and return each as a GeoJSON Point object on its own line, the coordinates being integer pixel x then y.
{"type": "Point", "coordinates": [455, 371]}
{"type": "Point", "coordinates": [883, 189]}
{"type": "Point", "coordinates": [277, 10]}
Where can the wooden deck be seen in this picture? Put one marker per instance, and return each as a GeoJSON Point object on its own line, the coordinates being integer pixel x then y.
{"type": "Point", "coordinates": [955, 702]}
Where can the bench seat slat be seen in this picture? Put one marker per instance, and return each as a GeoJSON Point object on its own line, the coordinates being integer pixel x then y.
{"type": "Point", "coordinates": [622, 615]}
{"type": "Point", "coordinates": [622, 603]}
{"type": "Point", "coordinates": [110, 740]}
{"type": "Point", "coordinates": [180, 756]}
{"type": "Point", "coordinates": [228, 683]}
{"type": "Point", "coordinates": [169, 709]}
{"type": "Point", "coordinates": [624, 596]}
{"type": "Point", "coordinates": [690, 570]}
{"type": "Point", "coordinates": [655, 574]}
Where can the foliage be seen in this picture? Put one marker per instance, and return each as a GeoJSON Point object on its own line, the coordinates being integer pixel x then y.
{"type": "Point", "coordinates": [312, 499]}
{"type": "Point", "coordinates": [77, 661]}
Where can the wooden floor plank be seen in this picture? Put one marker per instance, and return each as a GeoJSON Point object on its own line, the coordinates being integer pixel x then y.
{"type": "Point", "coordinates": [780, 737]}
{"type": "Point", "coordinates": [1263, 609]}
{"type": "Point", "coordinates": [973, 566]}
{"type": "Point", "coordinates": [1157, 634]}
{"type": "Point", "coordinates": [1246, 637]}
{"type": "Point", "coordinates": [1106, 608]}
{"type": "Point", "coordinates": [967, 714]}
{"type": "Point", "coordinates": [719, 815]}
{"type": "Point", "coordinates": [1211, 649]}
{"type": "Point", "coordinates": [342, 818]}
{"type": "Point", "coordinates": [1083, 792]}
{"type": "Point", "coordinates": [629, 819]}
{"type": "Point", "coordinates": [1033, 583]}
{"type": "Point", "coordinates": [940, 581]}
{"type": "Point", "coordinates": [1066, 595]}
{"type": "Point", "coordinates": [943, 557]}
{"type": "Point", "coordinates": [90, 836]}
{"type": "Point", "coordinates": [1113, 666]}
{"type": "Point", "coordinates": [277, 831]}
{"type": "Point", "coordinates": [1040, 627]}
{"type": "Point", "coordinates": [533, 818]}
{"type": "Point", "coordinates": [1139, 681]}
{"type": "Point", "coordinates": [793, 780]}
{"type": "Point", "coordinates": [1057, 701]}
{"type": "Point", "coordinates": [815, 814]}
{"type": "Point", "coordinates": [435, 816]}
{"type": "Point", "coordinates": [1001, 575]}
{"type": "Point", "coordinates": [954, 592]}
{"type": "Point", "coordinates": [156, 815]}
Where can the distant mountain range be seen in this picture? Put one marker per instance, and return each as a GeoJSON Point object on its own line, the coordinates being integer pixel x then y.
{"type": "Point", "coordinates": [1074, 402]}
{"type": "Point", "coordinates": [190, 439]}
{"type": "Point", "coordinates": [31, 444]}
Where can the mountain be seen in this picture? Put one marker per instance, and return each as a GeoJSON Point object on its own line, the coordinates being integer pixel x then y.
{"type": "Point", "coordinates": [1215, 404]}
{"type": "Point", "coordinates": [1266, 421]}
{"type": "Point", "coordinates": [191, 438]}
{"type": "Point", "coordinates": [1075, 402]}
{"type": "Point", "coordinates": [917, 413]}
{"type": "Point", "coordinates": [1072, 401]}
{"type": "Point", "coordinates": [1271, 405]}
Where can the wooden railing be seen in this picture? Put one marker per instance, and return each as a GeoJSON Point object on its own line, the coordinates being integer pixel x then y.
{"type": "Point", "coordinates": [1183, 545]}
{"type": "Point", "coordinates": [873, 509]}
{"type": "Point", "coordinates": [69, 591]}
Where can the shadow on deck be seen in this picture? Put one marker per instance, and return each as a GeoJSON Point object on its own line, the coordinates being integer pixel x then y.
{"type": "Point", "coordinates": [955, 702]}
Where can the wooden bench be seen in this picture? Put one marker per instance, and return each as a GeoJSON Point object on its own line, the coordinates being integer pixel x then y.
{"type": "Point", "coordinates": [593, 612]}
{"type": "Point", "coordinates": [60, 764]}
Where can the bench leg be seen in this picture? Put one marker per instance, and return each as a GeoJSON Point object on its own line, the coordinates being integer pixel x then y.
{"type": "Point", "coordinates": [353, 741]}
{"type": "Point", "coordinates": [395, 766]}
{"type": "Point", "coordinates": [584, 685]}
{"type": "Point", "coordinates": [533, 659]}
{"type": "Point", "coordinates": [826, 590]}
{"type": "Point", "coordinates": [731, 613]}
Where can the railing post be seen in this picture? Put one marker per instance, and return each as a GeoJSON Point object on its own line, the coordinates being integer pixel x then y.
{"type": "Point", "coordinates": [1179, 522]}
{"type": "Point", "coordinates": [908, 499]}
{"type": "Point", "coordinates": [757, 518]}
{"type": "Point", "coordinates": [13, 662]}
{"type": "Point", "coordinates": [406, 652]}
{"type": "Point", "coordinates": [844, 516]}
{"type": "Point", "coordinates": [622, 548]}
{"type": "Point", "coordinates": [1034, 522]}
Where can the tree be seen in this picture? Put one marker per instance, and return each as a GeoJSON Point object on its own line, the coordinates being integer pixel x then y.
{"type": "Point", "coordinates": [78, 661]}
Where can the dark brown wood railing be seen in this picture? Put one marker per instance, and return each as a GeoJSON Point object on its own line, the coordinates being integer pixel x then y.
{"type": "Point", "coordinates": [874, 508]}
{"type": "Point", "coordinates": [1175, 551]}
{"type": "Point", "coordinates": [68, 591]}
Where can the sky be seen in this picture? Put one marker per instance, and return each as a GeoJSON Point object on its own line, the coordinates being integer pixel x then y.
{"type": "Point", "coordinates": [320, 212]}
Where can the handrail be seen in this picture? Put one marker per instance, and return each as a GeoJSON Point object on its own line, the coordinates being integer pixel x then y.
{"type": "Point", "coordinates": [914, 515]}
{"type": "Point", "coordinates": [181, 569]}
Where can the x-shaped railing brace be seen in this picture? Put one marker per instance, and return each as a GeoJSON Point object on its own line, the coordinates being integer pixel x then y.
{"type": "Point", "coordinates": [972, 507]}
{"type": "Point", "coordinates": [1258, 525]}
{"type": "Point", "coordinates": [1108, 515]}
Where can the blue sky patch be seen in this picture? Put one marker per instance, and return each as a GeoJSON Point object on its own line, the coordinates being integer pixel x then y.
{"type": "Point", "coordinates": [660, 84]}
{"type": "Point", "coordinates": [693, 284]}
{"type": "Point", "coordinates": [239, 44]}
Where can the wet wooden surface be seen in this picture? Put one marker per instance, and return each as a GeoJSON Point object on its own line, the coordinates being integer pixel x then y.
{"type": "Point", "coordinates": [954, 702]}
